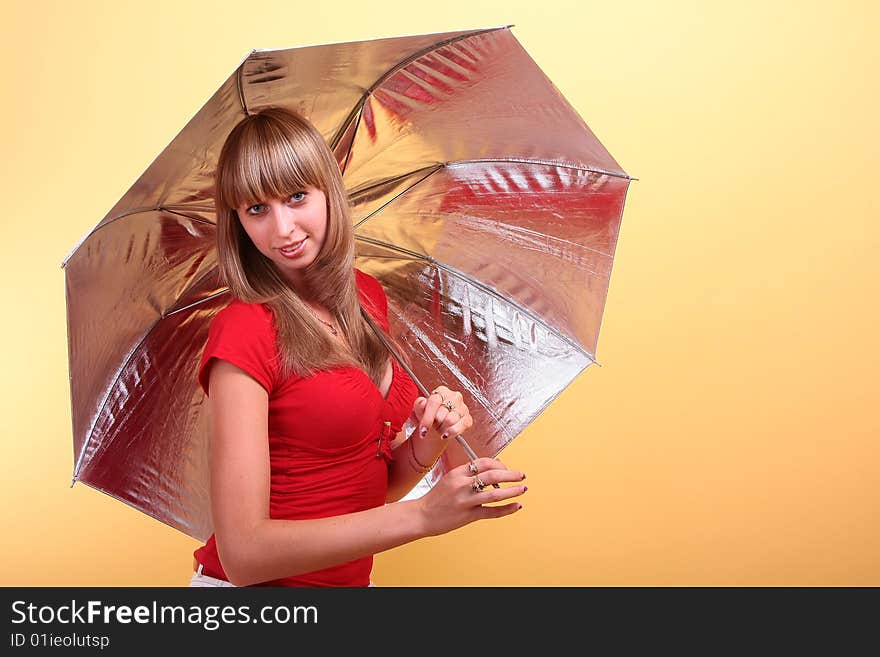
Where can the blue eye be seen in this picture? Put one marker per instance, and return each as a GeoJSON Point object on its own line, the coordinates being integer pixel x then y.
{"type": "Point", "coordinates": [257, 208]}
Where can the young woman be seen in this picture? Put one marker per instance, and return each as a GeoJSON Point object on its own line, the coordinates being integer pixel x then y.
{"type": "Point", "coordinates": [308, 456]}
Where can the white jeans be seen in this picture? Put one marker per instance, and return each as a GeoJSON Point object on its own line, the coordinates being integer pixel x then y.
{"type": "Point", "coordinates": [199, 579]}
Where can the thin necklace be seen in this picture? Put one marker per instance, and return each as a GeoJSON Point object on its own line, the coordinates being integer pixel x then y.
{"type": "Point", "coordinates": [327, 324]}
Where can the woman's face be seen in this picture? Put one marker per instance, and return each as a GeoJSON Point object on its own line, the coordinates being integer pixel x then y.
{"type": "Point", "coordinates": [289, 231]}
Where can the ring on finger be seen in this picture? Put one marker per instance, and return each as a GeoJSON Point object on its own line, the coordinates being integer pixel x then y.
{"type": "Point", "coordinates": [449, 405]}
{"type": "Point", "coordinates": [478, 484]}
{"type": "Point", "coordinates": [472, 466]}
{"type": "Point", "coordinates": [436, 391]}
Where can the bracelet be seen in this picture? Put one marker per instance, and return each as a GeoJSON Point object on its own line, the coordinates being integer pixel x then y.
{"type": "Point", "coordinates": [412, 450]}
{"type": "Point", "coordinates": [416, 468]}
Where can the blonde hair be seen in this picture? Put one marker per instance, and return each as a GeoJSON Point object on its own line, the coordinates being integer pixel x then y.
{"type": "Point", "coordinates": [272, 154]}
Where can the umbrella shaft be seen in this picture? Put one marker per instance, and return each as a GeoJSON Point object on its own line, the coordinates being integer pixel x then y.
{"type": "Point", "coordinates": [472, 455]}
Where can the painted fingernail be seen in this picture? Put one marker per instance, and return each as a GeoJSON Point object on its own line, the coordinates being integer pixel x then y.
{"type": "Point", "coordinates": [423, 431]}
{"type": "Point", "coordinates": [445, 436]}
{"type": "Point", "coordinates": [518, 507]}
{"type": "Point", "coordinates": [525, 488]}
{"type": "Point", "coordinates": [524, 476]}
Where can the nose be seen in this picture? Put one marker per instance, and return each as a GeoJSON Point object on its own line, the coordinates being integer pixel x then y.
{"type": "Point", "coordinates": [283, 218]}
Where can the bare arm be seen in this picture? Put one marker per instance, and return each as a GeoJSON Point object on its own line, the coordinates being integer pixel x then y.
{"type": "Point", "coordinates": [255, 548]}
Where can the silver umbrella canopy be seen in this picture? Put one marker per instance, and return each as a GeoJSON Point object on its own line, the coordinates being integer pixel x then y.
{"type": "Point", "coordinates": [483, 203]}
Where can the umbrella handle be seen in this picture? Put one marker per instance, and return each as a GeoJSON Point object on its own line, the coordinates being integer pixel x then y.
{"type": "Point", "coordinates": [472, 455]}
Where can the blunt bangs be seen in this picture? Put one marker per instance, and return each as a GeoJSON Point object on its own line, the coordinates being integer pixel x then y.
{"type": "Point", "coordinates": [265, 161]}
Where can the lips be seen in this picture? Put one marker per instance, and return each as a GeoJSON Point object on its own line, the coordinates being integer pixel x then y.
{"type": "Point", "coordinates": [294, 249]}
{"type": "Point", "coordinates": [292, 246]}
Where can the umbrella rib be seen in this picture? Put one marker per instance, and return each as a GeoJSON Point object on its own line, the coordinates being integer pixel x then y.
{"type": "Point", "coordinates": [79, 462]}
{"type": "Point", "coordinates": [239, 86]}
{"type": "Point", "coordinates": [455, 163]}
{"type": "Point", "coordinates": [430, 173]}
{"type": "Point", "coordinates": [88, 440]}
{"type": "Point", "coordinates": [357, 110]}
{"type": "Point", "coordinates": [195, 303]}
{"type": "Point", "coordinates": [171, 209]}
{"type": "Point", "coordinates": [362, 191]}
{"type": "Point", "coordinates": [550, 163]}
{"type": "Point", "coordinates": [424, 51]}
{"type": "Point", "coordinates": [357, 125]}
{"type": "Point", "coordinates": [485, 288]}
{"type": "Point", "coordinates": [523, 160]}
{"type": "Point", "coordinates": [119, 370]}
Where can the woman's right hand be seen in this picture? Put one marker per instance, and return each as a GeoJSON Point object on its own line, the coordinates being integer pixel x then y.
{"type": "Point", "coordinates": [456, 499]}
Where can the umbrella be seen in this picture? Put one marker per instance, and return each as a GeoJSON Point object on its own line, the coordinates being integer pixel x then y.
{"type": "Point", "coordinates": [483, 203]}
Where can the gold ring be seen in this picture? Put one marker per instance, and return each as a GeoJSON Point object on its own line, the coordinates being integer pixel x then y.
{"type": "Point", "coordinates": [436, 391]}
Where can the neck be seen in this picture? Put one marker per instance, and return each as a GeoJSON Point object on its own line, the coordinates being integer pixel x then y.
{"type": "Point", "coordinates": [299, 285]}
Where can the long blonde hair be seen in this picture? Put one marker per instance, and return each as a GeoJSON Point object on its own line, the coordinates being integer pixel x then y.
{"type": "Point", "coordinates": [271, 154]}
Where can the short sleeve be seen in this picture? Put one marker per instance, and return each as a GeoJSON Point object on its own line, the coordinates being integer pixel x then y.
{"type": "Point", "coordinates": [373, 295]}
{"type": "Point", "coordinates": [243, 334]}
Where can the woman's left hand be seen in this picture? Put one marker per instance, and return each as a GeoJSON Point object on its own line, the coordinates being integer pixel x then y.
{"type": "Point", "coordinates": [445, 410]}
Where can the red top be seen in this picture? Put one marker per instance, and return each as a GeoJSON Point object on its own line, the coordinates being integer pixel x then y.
{"type": "Point", "coordinates": [329, 450]}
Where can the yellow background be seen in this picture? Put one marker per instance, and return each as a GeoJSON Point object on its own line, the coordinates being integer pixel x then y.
{"type": "Point", "coordinates": [730, 436]}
